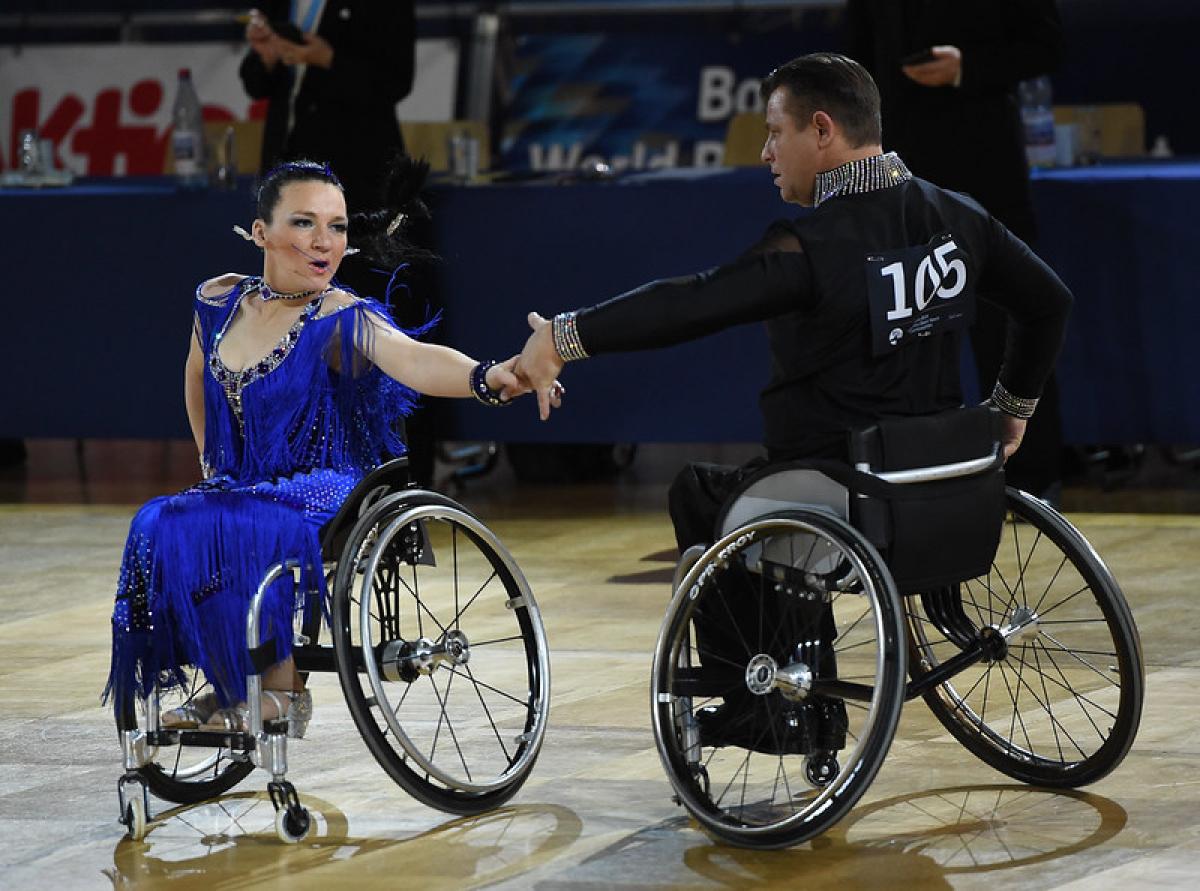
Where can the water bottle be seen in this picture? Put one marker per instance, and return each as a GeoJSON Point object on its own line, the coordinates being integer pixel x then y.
{"type": "Point", "coordinates": [187, 135]}
{"type": "Point", "coordinates": [1037, 116]}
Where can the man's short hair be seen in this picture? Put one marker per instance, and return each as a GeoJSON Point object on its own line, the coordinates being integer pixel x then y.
{"type": "Point", "coordinates": [834, 84]}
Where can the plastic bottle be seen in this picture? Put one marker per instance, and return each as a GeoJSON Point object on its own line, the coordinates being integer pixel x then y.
{"type": "Point", "coordinates": [1037, 114]}
{"type": "Point", "coordinates": [187, 135]}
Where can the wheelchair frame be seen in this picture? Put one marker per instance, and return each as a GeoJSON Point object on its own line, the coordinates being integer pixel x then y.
{"type": "Point", "coordinates": [736, 778]}
{"type": "Point", "coordinates": [384, 529]}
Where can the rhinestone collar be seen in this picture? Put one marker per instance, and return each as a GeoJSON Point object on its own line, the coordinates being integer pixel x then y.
{"type": "Point", "coordinates": [857, 177]}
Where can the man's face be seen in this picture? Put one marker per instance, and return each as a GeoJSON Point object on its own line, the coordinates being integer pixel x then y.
{"type": "Point", "coordinates": [793, 154]}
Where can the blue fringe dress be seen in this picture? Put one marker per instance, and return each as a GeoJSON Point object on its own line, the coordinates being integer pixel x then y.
{"type": "Point", "coordinates": [288, 438]}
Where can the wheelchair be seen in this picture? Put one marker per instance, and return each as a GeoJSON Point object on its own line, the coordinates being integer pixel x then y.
{"type": "Point", "coordinates": [832, 594]}
{"type": "Point", "coordinates": [437, 642]}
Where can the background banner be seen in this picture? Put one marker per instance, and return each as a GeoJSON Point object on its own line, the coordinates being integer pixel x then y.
{"type": "Point", "coordinates": [107, 107]}
{"type": "Point", "coordinates": [638, 101]}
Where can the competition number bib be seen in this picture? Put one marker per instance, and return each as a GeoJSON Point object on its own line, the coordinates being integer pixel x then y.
{"type": "Point", "coordinates": [918, 292]}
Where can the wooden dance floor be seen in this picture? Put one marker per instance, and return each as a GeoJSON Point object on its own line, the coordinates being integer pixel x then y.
{"type": "Point", "coordinates": [597, 810]}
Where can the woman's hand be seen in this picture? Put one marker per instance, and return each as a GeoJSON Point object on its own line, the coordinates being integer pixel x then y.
{"type": "Point", "coordinates": [503, 377]}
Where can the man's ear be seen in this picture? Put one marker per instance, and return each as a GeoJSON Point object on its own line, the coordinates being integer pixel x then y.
{"type": "Point", "coordinates": [825, 127]}
{"type": "Point", "coordinates": [259, 232]}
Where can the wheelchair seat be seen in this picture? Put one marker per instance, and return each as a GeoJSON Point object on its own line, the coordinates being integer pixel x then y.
{"type": "Point", "coordinates": [831, 594]}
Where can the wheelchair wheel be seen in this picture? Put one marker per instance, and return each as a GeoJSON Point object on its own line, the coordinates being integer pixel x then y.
{"type": "Point", "coordinates": [177, 771]}
{"type": "Point", "coordinates": [1058, 703]}
{"type": "Point", "coordinates": [441, 653]}
{"type": "Point", "coordinates": [778, 679]}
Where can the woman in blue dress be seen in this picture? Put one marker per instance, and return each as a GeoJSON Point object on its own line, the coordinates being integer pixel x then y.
{"type": "Point", "coordinates": [293, 387]}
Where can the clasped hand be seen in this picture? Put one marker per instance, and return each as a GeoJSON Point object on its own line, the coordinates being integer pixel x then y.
{"type": "Point", "coordinates": [272, 48]}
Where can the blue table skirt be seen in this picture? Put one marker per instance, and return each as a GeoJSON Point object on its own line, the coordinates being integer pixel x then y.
{"type": "Point", "coordinates": [105, 273]}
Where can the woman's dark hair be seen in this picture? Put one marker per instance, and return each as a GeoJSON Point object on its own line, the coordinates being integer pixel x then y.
{"type": "Point", "coordinates": [378, 234]}
{"type": "Point", "coordinates": [834, 84]}
{"type": "Point", "coordinates": [273, 181]}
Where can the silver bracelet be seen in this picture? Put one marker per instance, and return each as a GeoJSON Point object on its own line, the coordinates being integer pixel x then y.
{"type": "Point", "coordinates": [566, 337]}
{"type": "Point", "coordinates": [1017, 406]}
{"type": "Point", "coordinates": [206, 469]}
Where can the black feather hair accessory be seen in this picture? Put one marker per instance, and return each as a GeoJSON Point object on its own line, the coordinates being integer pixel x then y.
{"type": "Point", "coordinates": [380, 234]}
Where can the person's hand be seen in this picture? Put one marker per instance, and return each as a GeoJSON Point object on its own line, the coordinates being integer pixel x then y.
{"type": "Point", "coordinates": [503, 378]}
{"type": "Point", "coordinates": [262, 39]}
{"type": "Point", "coordinates": [1012, 431]}
{"type": "Point", "coordinates": [944, 71]}
{"type": "Point", "coordinates": [539, 365]}
{"type": "Point", "coordinates": [315, 51]}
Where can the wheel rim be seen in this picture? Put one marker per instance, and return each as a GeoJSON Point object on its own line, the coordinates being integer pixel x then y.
{"type": "Point", "coordinates": [454, 653]}
{"type": "Point", "coordinates": [1057, 694]}
{"type": "Point", "coordinates": [764, 798]}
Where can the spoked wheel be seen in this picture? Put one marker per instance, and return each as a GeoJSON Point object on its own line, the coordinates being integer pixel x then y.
{"type": "Point", "coordinates": [176, 771]}
{"type": "Point", "coordinates": [778, 679]}
{"type": "Point", "coordinates": [441, 653]}
{"type": "Point", "coordinates": [1059, 699]}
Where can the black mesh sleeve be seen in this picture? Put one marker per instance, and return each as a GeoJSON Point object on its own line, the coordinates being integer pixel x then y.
{"type": "Point", "coordinates": [773, 277]}
{"type": "Point", "coordinates": [1017, 280]}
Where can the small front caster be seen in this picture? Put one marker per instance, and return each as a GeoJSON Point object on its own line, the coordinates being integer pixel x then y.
{"type": "Point", "coordinates": [135, 807]}
{"type": "Point", "coordinates": [292, 825]}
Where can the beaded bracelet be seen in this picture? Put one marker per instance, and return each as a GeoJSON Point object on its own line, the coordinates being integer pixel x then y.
{"type": "Point", "coordinates": [1017, 406]}
{"type": "Point", "coordinates": [480, 389]}
{"type": "Point", "coordinates": [206, 469]}
{"type": "Point", "coordinates": [566, 337]}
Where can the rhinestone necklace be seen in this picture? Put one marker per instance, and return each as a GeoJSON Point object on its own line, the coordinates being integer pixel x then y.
{"type": "Point", "coordinates": [266, 292]}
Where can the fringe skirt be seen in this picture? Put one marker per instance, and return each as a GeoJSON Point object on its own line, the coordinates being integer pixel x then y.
{"type": "Point", "coordinates": [192, 563]}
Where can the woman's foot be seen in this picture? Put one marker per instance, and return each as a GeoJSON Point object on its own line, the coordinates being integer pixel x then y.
{"type": "Point", "coordinates": [277, 705]}
{"type": "Point", "coordinates": [191, 714]}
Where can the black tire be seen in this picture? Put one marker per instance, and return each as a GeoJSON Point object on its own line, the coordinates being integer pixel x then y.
{"type": "Point", "coordinates": [181, 773]}
{"type": "Point", "coordinates": [776, 572]}
{"type": "Point", "coordinates": [1061, 707]}
{"type": "Point", "coordinates": [489, 731]}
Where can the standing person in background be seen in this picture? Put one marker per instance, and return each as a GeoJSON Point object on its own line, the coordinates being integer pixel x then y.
{"type": "Point", "coordinates": [333, 71]}
{"type": "Point", "coordinates": [947, 72]}
{"type": "Point", "coordinates": [333, 86]}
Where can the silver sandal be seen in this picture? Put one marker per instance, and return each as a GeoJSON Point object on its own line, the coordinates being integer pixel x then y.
{"type": "Point", "coordinates": [191, 714]}
{"type": "Point", "coordinates": [297, 713]}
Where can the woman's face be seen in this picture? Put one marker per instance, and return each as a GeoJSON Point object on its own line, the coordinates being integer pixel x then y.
{"type": "Point", "coordinates": [306, 239]}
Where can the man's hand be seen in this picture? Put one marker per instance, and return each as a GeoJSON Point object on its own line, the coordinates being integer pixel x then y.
{"type": "Point", "coordinates": [944, 71]}
{"type": "Point", "coordinates": [315, 51]}
{"type": "Point", "coordinates": [539, 365]}
{"type": "Point", "coordinates": [1012, 431]}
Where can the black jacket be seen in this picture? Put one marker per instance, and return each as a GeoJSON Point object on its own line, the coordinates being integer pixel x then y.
{"type": "Point", "coordinates": [837, 362]}
{"type": "Point", "coordinates": [344, 115]}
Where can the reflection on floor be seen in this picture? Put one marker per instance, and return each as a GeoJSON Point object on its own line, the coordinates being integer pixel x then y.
{"type": "Point", "coordinates": [597, 811]}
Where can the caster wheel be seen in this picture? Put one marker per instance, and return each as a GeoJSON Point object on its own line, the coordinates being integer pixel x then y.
{"type": "Point", "coordinates": [292, 825]}
{"type": "Point", "coordinates": [820, 770]}
{"type": "Point", "coordinates": [135, 818]}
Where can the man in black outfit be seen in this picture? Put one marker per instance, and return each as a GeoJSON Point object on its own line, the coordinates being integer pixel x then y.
{"type": "Point", "coordinates": [955, 119]}
{"type": "Point", "coordinates": [333, 87]}
{"type": "Point", "coordinates": [865, 298]}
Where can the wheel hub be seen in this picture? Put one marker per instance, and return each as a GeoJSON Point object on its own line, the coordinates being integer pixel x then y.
{"type": "Point", "coordinates": [404, 660]}
{"type": "Point", "coordinates": [760, 675]}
